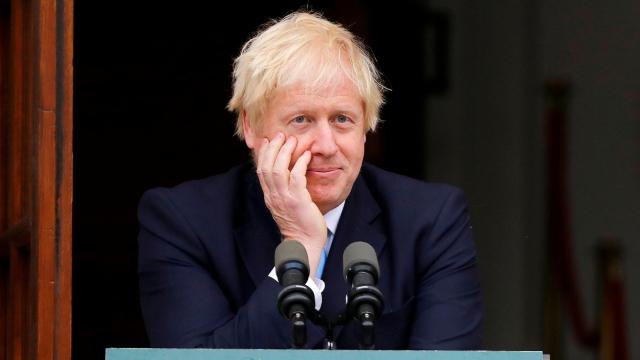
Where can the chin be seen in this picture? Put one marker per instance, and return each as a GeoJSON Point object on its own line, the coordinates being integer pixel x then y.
{"type": "Point", "coordinates": [325, 199]}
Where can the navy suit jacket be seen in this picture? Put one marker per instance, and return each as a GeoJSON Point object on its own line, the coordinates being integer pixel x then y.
{"type": "Point", "coordinates": [206, 248]}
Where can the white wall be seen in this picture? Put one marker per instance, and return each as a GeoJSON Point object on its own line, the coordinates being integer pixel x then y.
{"type": "Point", "coordinates": [486, 135]}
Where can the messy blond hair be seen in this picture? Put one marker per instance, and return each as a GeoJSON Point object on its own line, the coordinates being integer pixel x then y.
{"type": "Point", "coordinates": [302, 46]}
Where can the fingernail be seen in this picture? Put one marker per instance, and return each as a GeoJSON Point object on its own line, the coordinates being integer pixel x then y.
{"type": "Point", "coordinates": [279, 136]}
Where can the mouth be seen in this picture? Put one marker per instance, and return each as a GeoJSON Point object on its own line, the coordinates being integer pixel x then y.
{"type": "Point", "coordinates": [324, 171]}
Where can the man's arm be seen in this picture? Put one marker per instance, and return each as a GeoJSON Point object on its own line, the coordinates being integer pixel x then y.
{"type": "Point", "coordinates": [448, 301]}
{"type": "Point", "coordinates": [183, 303]}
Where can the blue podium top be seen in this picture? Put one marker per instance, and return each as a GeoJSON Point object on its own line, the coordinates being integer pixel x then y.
{"type": "Point", "coordinates": [235, 354]}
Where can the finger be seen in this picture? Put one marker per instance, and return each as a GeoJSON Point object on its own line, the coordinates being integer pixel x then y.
{"type": "Point", "coordinates": [272, 150]}
{"type": "Point", "coordinates": [269, 156]}
{"type": "Point", "coordinates": [298, 175]}
{"type": "Point", "coordinates": [259, 160]}
{"type": "Point", "coordinates": [280, 171]}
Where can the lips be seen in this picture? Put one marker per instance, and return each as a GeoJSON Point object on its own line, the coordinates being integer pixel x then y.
{"type": "Point", "coordinates": [324, 169]}
{"type": "Point", "coordinates": [324, 172]}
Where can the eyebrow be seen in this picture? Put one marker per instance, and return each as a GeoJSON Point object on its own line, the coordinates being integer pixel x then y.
{"type": "Point", "coordinates": [291, 109]}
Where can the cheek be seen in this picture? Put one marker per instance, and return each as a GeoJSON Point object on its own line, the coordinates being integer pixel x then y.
{"type": "Point", "coordinates": [354, 149]}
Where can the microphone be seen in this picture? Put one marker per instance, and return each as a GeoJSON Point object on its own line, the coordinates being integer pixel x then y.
{"type": "Point", "coordinates": [365, 300]}
{"type": "Point", "coordinates": [295, 300]}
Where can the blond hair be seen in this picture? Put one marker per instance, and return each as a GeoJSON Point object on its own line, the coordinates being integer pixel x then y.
{"type": "Point", "coordinates": [302, 46]}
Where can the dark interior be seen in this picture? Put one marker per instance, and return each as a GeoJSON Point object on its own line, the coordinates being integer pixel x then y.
{"type": "Point", "coordinates": [151, 84]}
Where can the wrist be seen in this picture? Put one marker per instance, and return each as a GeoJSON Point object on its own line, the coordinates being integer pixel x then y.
{"type": "Point", "coordinates": [314, 248]}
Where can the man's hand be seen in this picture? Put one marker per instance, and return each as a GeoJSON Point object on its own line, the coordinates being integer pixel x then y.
{"type": "Point", "coordinates": [286, 196]}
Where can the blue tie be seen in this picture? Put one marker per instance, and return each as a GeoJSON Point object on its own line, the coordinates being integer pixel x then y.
{"type": "Point", "coordinates": [323, 260]}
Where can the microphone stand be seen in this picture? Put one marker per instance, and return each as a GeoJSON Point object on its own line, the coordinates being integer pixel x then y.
{"type": "Point", "coordinates": [299, 329]}
{"type": "Point", "coordinates": [329, 342]}
{"type": "Point", "coordinates": [367, 334]}
{"type": "Point", "coordinates": [294, 301]}
{"type": "Point", "coordinates": [365, 303]}
{"type": "Point", "coordinates": [359, 307]}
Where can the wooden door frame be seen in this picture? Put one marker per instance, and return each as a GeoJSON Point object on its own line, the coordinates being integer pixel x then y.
{"type": "Point", "coordinates": [36, 189]}
{"type": "Point", "coordinates": [52, 195]}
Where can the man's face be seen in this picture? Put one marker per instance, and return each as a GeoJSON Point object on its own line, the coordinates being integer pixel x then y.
{"type": "Point", "coordinates": [328, 122]}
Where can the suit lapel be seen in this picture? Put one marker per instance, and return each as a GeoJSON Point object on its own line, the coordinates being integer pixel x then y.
{"type": "Point", "coordinates": [256, 235]}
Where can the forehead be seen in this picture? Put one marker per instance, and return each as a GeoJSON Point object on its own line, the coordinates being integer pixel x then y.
{"type": "Point", "coordinates": [336, 91]}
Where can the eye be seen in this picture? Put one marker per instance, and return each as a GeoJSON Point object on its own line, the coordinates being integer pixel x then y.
{"type": "Point", "coordinates": [342, 119]}
{"type": "Point", "coordinates": [300, 119]}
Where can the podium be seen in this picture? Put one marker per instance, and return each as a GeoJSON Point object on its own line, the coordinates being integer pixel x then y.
{"type": "Point", "coordinates": [228, 354]}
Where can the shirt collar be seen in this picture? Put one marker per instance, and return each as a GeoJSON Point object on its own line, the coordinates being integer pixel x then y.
{"type": "Point", "coordinates": [333, 216]}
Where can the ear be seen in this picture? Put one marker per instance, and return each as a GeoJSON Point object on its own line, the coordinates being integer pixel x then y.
{"type": "Point", "coordinates": [248, 131]}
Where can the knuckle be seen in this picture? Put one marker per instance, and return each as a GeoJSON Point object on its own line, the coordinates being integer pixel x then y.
{"type": "Point", "coordinates": [275, 199]}
{"type": "Point", "coordinates": [266, 172]}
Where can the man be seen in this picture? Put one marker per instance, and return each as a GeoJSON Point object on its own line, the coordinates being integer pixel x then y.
{"type": "Point", "coordinates": [306, 94]}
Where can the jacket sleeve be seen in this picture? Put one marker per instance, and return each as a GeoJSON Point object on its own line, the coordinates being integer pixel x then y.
{"type": "Point", "coordinates": [448, 300]}
{"type": "Point", "coordinates": [183, 303]}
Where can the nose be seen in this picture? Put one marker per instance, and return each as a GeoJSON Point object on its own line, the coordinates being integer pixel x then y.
{"type": "Point", "coordinates": [324, 142]}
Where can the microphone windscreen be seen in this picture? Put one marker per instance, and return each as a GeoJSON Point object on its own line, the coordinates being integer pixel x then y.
{"type": "Point", "coordinates": [290, 250]}
{"type": "Point", "coordinates": [359, 252]}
